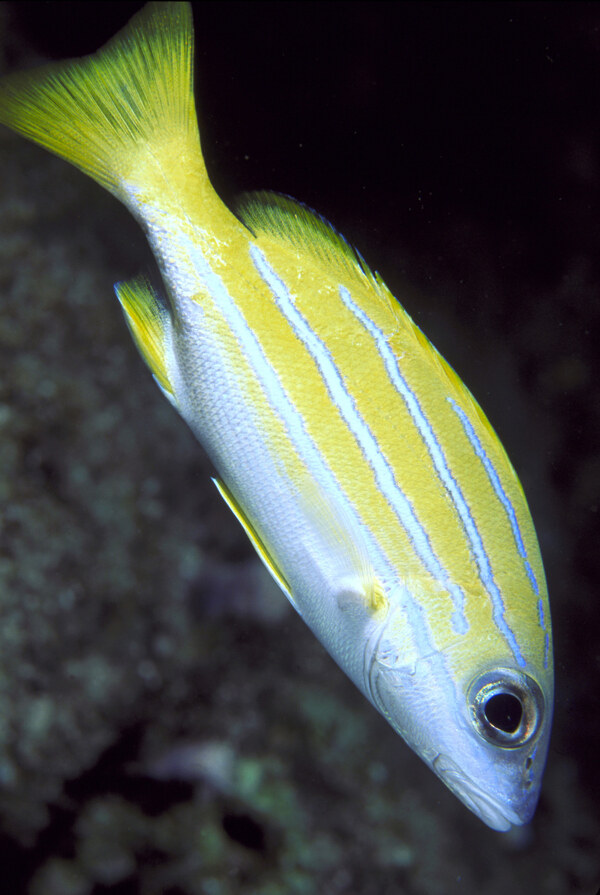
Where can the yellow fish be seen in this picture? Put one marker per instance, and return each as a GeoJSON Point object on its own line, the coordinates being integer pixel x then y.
{"type": "Point", "coordinates": [365, 474]}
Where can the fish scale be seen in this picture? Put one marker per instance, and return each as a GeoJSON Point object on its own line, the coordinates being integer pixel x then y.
{"type": "Point", "coordinates": [363, 471]}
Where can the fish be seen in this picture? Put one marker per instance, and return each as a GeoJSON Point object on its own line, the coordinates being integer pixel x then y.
{"type": "Point", "coordinates": [363, 471]}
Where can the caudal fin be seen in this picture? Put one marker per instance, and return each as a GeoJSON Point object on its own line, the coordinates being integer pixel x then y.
{"type": "Point", "coordinates": [119, 111]}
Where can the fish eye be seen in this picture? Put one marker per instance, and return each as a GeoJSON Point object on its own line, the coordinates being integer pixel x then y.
{"type": "Point", "coordinates": [506, 707]}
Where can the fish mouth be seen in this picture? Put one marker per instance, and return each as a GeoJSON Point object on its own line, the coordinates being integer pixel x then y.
{"type": "Point", "coordinates": [495, 813]}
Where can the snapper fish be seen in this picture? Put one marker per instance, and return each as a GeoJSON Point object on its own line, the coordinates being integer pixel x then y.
{"type": "Point", "coordinates": [363, 471]}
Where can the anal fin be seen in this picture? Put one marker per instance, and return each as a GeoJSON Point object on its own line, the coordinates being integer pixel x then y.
{"type": "Point", "coordinates": [255, 541]}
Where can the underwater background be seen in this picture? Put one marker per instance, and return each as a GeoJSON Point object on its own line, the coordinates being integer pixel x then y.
{"type": "Point", "coordinates": [167, 723]}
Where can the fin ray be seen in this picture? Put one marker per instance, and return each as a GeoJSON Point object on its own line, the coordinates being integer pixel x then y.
{"type": "Point", "coordinates": [103, 112]}
{"type": "Point", "coordinates": [255, 540]}
{"type": "Point", "coordinates": [304, 229]}
{"type": "Point", "coordinates": [148, 321]}
{"type": "Point", "coordinates": [347, 567]}
{"type": "Point", "coordinates": [283, 218]}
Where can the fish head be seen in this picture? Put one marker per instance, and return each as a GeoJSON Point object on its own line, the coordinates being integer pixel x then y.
{"type": "Point", "coordinates": [485, 733]}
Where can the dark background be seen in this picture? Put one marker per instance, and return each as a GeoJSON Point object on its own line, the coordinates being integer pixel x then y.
{"type": "Point", "coordinates": [457, 145]}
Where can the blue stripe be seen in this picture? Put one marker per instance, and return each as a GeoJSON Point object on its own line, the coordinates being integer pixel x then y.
{"type": "Point", "coordinates": [437, 456]}
{"type": "Point", "coordinates": [542, 618]}
{"type": "Point", "coordinates": [346, 406]}
{"type": "Point", "coordinates": [421, 422]}
{"type": "Point", "coordinates": [398, 595]}
{"type": "Point", "coordinates": [277, 397]}
{"type": "Point", "coordinates": [268, 378]}
{"type": "Point", "coordinates": [497, 486]}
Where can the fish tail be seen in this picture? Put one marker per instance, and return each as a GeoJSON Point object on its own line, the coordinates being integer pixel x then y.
{"type": "Point", "coordinates": [122, 112]}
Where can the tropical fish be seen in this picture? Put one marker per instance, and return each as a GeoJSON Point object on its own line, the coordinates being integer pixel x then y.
{"type": "Point", "coordinates": [363, 471]}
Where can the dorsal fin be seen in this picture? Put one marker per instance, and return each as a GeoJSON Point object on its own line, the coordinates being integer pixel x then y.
{"type": "Point", "coordinates": [279, 216]}
{"type": "Point", "coordinates": [283, 218]}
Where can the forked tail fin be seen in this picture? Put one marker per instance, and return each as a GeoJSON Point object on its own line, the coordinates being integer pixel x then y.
{"type": "Point", "coordinates": [120, 114]}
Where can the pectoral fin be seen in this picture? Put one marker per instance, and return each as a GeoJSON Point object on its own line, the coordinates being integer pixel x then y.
{"type": "Point", "coordinates": [344, 561]}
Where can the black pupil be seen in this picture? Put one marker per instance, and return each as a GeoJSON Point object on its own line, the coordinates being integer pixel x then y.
{"type": "Point", "coordinates": [504, 711]}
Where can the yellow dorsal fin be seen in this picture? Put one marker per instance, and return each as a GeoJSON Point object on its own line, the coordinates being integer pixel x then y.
{"type": "Point", "coordinates": [255, 540]}
{"type": "Point", "coordinates": [303, 229]}
{"type": "Point", "coordinates": [108, 112]}
{"type": "Point", "coordinates": [148, 321]}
